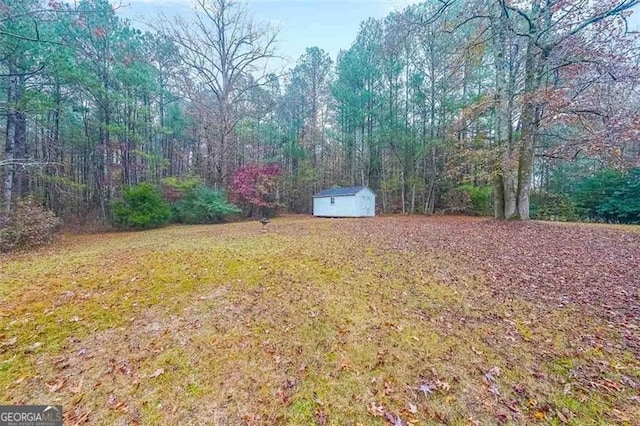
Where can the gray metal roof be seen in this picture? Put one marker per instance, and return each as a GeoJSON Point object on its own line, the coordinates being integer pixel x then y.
{"type": "Point", "coordinates": [339, 192]}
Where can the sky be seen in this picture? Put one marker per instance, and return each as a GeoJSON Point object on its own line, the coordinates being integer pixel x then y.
{"type": "Point", "coordinates": [328, 24]}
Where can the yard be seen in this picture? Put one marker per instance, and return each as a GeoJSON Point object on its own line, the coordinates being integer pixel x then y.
{"type": "Point", "coordinates": [390, 320]}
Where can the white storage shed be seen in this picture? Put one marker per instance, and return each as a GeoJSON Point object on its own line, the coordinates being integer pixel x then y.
{"type": "Point", "coordinates": [355, 201]}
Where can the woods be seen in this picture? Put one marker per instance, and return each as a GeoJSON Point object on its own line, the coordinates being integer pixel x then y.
{"type": "Point", "coordinates": [442, 106]}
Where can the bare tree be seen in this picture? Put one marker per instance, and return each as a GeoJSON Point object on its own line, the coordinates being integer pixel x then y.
{"type": "Point", "coordinates": [229, 55]}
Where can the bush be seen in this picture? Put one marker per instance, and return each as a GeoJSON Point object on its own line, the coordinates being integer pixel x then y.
{"type": "Point", "coordinates": [610, 196]}
{"type": "Point", "coordinates": [29, 225]}
{"type": "Point", "coordinates": [552, 206]}
{"type": "Point", "coordinates": [624, 204]}
{"type": "Point", "coordinates": [204, 205]}
{"type": "Point", "coordinates": [592, 192]}
{"type": "Point", "coordinates": [480, 197]}
{"type": "Point", "coordinates": [173, 188]}
{"type": "Point", "coordinates": [142, 207]}
{"type": "Point", "coordinates": [454, 200]}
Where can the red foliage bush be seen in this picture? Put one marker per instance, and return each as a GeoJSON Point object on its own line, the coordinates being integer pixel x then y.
{"type": "Point", "coordinates": [29, 225]}
{"type": "Point", "coordinates": [255, 185]}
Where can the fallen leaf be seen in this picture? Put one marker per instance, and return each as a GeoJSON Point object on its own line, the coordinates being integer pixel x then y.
{"type": "Point", "coordinates": [76, 389]}
{"type": "Point", "coordinates": [388, 388]}
{"type": "Point", "coordinates": [443, 385]}
{"type": "Point", "coordinates": [427, 388]}
{"type": "Point", "coordinates": [157, 373]}
{"type": "Point", "coordinates": [392, 419]}
{"type": "Point", "coordinates": [477, 352]}
{"type": "Point", "coordinates": [321, 417]}
{"type": "Point", "coordinates": [490, 376]}
{"type": "Point", "coordinates": [376, 410]}
{"type": "Point", "coordinates": [56, 385]}
{"type": "Point", "coordinates": [10, 342]}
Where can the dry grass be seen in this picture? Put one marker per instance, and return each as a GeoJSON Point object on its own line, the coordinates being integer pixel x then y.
{"type": "Point", "coordinates": [313, 321]}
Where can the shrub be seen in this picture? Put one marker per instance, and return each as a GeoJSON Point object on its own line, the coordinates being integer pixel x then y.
{"type": "Point", "coordinates": [29, 225]}
{"type": "Point", "coordinates": [142, 207]}
{"type": "Point", "coordinates": [173, 188]}
{"type": "Point", "coordinates": [592, 192]}
{"type": "Point", "coordinates": [454, 200]}
{"type": "Point", "coordinates": [255, 187]}
{"type": "Point", "coordinates": [204, 205]}
{"type": "Point", "coordinates": [624, 204]}
{"type": "Point", "coordinates": [552, 206]}
{"type": "Point", "coordinates": [610, 196]}
{"type": "Point", "coordinates": [480, 197]}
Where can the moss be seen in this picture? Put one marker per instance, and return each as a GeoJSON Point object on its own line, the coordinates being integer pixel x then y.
{"type": "Point", "coordinates": [301, 411]}
{"type": "Point", "coordinates": [524, 330]}
{"type": "Point", "coordinates": [591, 408]}
{"type": "Point", "coordinates": [563, 366]}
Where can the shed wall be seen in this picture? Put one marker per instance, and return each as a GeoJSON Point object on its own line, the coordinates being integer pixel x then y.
{"type": "Point", "coordinates": [343, 207]}
{"type": "Point", "coordinates": [365, 203]}
{"type": "Point", "coordinates": [361, 204]}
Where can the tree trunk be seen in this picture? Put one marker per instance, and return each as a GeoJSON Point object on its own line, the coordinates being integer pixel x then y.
{"type": "Point", "coordinates": [498, 197]}
{"type": "Point", "coordinates": [10, 150]}
{"type": "Point", "coordinates": [506, 178]}
{"type": "Point", "coordinates": [16, 142]}
{"type": "Point", "coordinates": [510, 183]}
{"type": "Point", "coordinates": [530, 117]}
{"type": "Point", "coordinates": [21, 179]}
{"type": "Point", "coordinates": [525, 167]}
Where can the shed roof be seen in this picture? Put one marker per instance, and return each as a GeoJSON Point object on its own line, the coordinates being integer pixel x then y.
{"type": "Point", "coordinates": [340, 192]}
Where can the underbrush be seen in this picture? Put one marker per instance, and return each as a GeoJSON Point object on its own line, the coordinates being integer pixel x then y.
{"type": "Point", "coordinates": [29, 225]}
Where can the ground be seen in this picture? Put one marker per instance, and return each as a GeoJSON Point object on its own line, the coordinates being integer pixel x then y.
{"type": "Point", "coordinates": [391, 320]}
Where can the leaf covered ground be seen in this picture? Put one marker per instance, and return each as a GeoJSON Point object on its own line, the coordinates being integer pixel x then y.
{"type": "Point", "coordinates": [389, 320]}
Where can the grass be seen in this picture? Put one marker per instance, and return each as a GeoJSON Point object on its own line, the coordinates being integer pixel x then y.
{"type": "Point", "coordinates": [312, 322]}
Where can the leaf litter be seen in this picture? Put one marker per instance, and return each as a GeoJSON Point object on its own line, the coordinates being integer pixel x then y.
{"type": "Point", "coordinates": [402, 319]}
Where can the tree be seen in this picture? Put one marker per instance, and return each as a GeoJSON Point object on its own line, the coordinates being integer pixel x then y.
{"type": "Point", "coordinates": [20, 45]}
{"type": "Point", "coordinates": [307, 109]}
{"type": "Point", "coordinates": [228, 55]}
{"type": "Point", "coordinates": [255, 187]}
{"type": "Point", "coordinates": [437, 99]}
{"type": "Point", "coordinates": [553, 37]}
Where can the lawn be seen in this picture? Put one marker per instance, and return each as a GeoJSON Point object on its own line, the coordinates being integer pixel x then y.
{"type": "Point", "coordinates": [391, 320]}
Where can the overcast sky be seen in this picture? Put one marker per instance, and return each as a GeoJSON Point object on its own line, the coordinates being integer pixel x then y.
{"type": "Point", "coordinates": [329, 24]}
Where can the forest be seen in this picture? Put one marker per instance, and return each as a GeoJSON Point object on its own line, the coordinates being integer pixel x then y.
{"type": "Point", "coordinates": [516, 109]}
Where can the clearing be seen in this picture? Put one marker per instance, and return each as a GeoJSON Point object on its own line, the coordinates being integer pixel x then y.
{"type": "Point", "coordinates": [391, 320]}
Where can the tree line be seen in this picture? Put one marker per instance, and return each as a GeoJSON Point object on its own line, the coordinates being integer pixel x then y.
{"type": "Point", "coordinates": [445, 105]}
